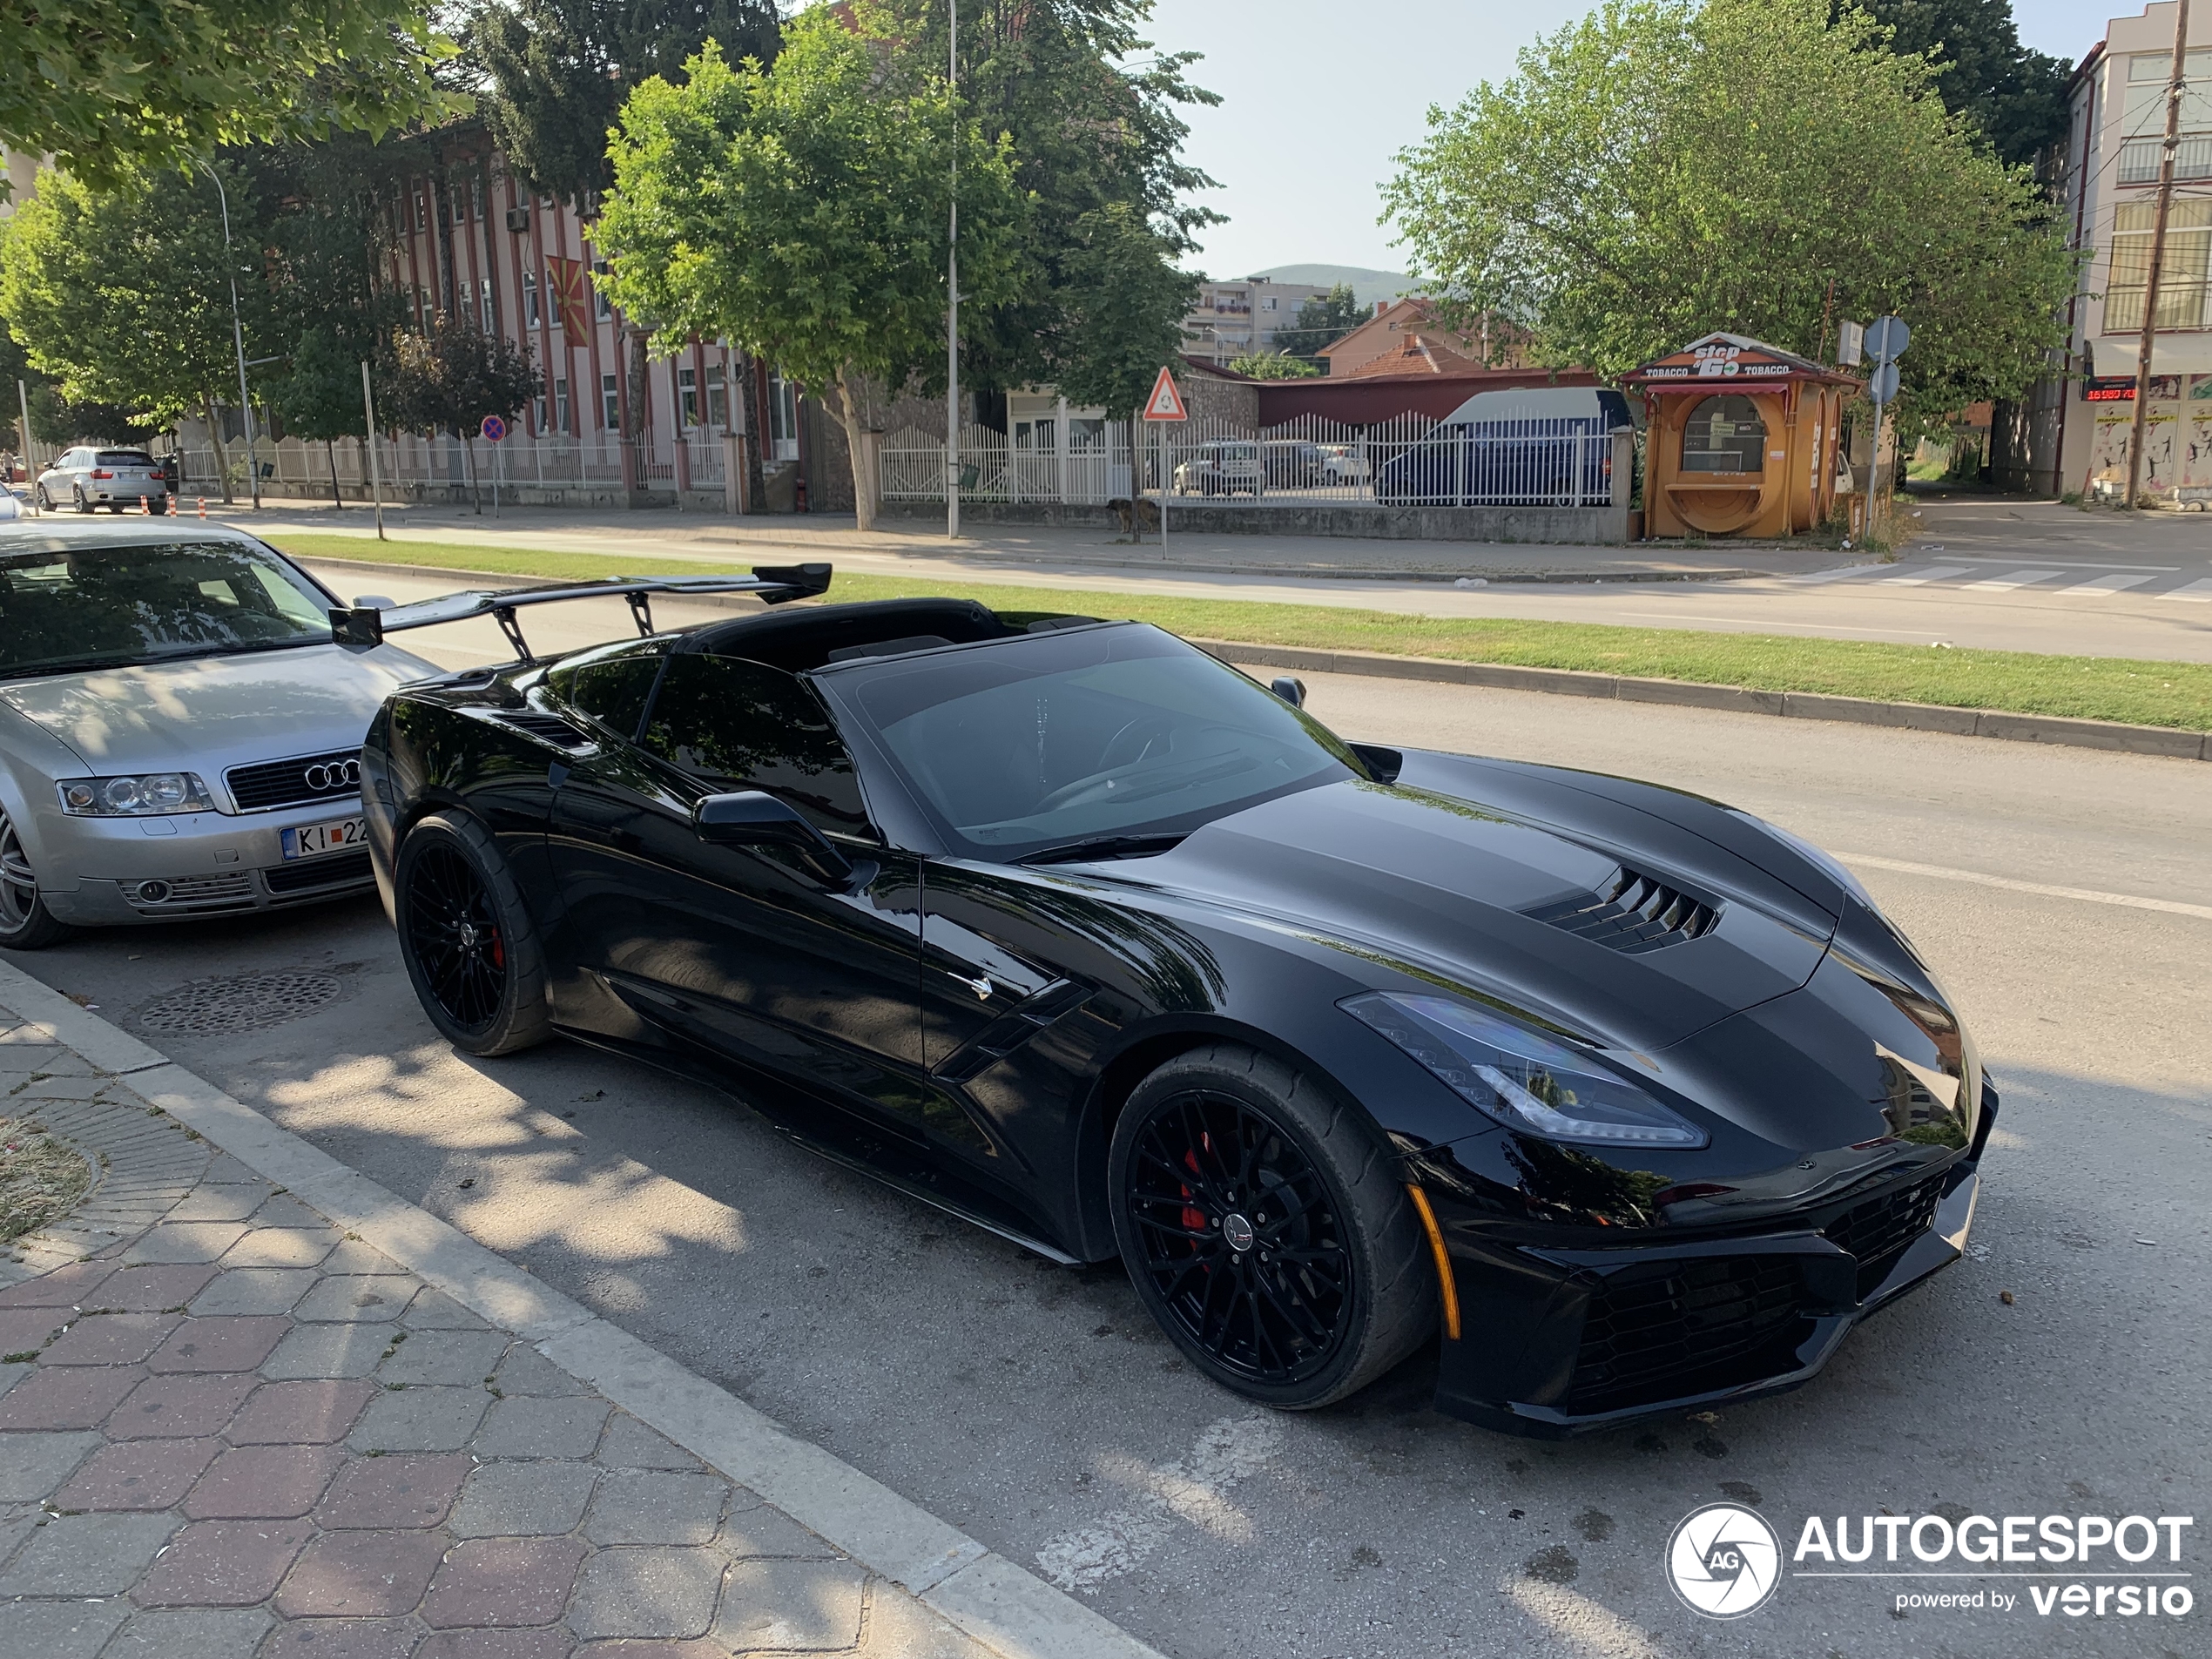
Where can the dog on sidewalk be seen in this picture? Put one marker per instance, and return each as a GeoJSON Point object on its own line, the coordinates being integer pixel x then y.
{"type": "Point", "coordinates": [1136, 516]}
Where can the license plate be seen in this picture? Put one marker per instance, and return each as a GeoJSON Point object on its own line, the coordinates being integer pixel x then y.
{"type": "Point", "coordinates": [312, 841]}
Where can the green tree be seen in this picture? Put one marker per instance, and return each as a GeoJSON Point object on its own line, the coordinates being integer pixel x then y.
{"type": "Point", "coordinates": [1662, 169]}
{"type": "Point", "coordinates": [1323, 321]}
{"type": "Point", "coordinates": [558, 70]}
{"type": "Point", "coordinates": [1093, 112]}
{"type": "Point", "coordinates": [454, 380]}
{"type": "Point", "coordinates": [801, 214]}
{"type": "Point", "coordinates": [122, 296]}
{"type": "Point", "coordinates": [320, 399]}
{"type": "Point", "coordinates": [108, 88]}
{"type": "Point", "coordinates": [2013, 93]}
{"type": "Point", "coordinates": [1273, 366]}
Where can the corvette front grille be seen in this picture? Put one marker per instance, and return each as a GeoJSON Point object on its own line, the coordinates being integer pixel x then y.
{"type": "Point", "coordinates": [1634, 913]}
{"type": "Point", "coordinates": [1878, 1232]}
{"type": "Point", "coordinates": [1670, 1329]}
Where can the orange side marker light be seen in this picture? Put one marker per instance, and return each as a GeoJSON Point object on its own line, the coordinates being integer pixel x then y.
{"type": "Point", "coordinates": [1447, 1290]}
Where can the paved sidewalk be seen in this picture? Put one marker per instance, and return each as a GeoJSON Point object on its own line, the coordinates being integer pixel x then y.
{"type": "Point", "coordinates": [231, 1428]}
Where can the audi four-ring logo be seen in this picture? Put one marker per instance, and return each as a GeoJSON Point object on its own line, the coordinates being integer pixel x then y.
{"type": "Point", "coordinates": [334, 774]}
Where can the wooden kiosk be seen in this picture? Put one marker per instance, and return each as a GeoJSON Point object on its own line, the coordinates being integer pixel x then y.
{"type": "Point", "coordinates": [1741, 439]}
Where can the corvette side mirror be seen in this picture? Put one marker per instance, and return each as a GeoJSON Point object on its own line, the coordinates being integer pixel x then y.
{"type": "Point", "coordinates": [754, 818]}
{"type": "Point", "coordinates": [1293, 692]}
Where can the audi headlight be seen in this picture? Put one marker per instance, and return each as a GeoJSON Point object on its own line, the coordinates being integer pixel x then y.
{"type": "Point", "coordinates": [139, 795]}
{"type": "Point", "coordinates": [1523, 1080]}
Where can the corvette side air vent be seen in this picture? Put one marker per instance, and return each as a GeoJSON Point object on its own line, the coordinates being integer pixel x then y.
{"type": "Point", "coordinates": [548, 728]}
{"type": "Point", "coordinates": [1635, 913]}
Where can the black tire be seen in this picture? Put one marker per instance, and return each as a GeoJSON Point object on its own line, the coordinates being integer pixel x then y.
{"type": "Point", "coordinates": [45, 501]}
{"type": "Point", "coordinates": [468, 940]}
{"type": "Point", "coordinates": [1330, 1291]}
{"type": "Point", "coordinates": [25, 923]}
{"type": "Point", "coordinates": [83, 505]}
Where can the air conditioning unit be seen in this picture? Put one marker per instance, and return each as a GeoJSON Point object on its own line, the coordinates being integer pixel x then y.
{"type": "Point", "coordinates": [518, 220]}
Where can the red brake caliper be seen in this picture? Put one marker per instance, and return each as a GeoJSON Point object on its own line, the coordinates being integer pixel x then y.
{"type": "Point", "coordinates": [1193, 1217]}
{"type": "Point", "coordinates": [498, 952]}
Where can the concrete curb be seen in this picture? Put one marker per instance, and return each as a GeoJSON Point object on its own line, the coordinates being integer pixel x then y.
{"type": "Point", "coordinates": [993, 1600]}
{"type": "Point", "coordinates": [1800, 706]}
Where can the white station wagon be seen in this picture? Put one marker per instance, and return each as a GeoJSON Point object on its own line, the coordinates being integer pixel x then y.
{"type": "Point", "coordinates": [180, 732]}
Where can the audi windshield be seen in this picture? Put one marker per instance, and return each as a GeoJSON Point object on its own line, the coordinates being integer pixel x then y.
{"type": "Point", "coordinates": [69, 608]}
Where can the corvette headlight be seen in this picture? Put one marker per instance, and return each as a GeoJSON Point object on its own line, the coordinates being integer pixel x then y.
{"type": "Point", "coordinates": [138, 795]}
{"type": "Point", "coordinates": [1524, 1080]}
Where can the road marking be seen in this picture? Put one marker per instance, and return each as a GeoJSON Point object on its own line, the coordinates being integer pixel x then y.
{"type": "Point", "coordinates": [2070, 565]}
{"type": "Point", "coordinates": [2128, 900]}
{"type": "Point", "coordinates": [2104, 587]}
{"type": "Point", "coordinates": [1194, 1490]}
{"type": "Point", "coordinates": [1831, 576]}
{"type": "Point", "coordinates": [2014, 579]}
{"type": "Point", "coordinates": [2195, 593]}
{"type": "Point", "coordinates": [1930, 573]}
{"type": "Point", "coordinates": [1756, 622]}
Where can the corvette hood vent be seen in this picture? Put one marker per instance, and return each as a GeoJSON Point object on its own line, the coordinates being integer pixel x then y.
{"type": "Point", "coordinates": [548, 728]}
{"type": "Point", "coordinates": [1633, 913]}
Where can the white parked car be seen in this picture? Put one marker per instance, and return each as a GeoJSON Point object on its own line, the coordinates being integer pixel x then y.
{"type": "Point", "coordinates": [1342, 463]}
{"type": "Point", "coordinates": [89, 477]}
{"type": "Point", "coordinates": [179, 732]}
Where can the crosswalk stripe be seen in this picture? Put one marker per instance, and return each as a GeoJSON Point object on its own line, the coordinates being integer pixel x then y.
{"type": "Point", "coordinates": [1931, 573]}
{"type": "Point", "coordinates": [2195, 592]}
{"type": "Point", "coordinates": [1837, 575]}
{"type": "Point", "coordinates": [2105, 586]}
{"type": "Point", "coordinates": [2011, 580]}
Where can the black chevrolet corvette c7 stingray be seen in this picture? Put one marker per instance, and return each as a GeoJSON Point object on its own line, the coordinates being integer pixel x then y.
{"type": "Point", "coordinates": [1069, 928]}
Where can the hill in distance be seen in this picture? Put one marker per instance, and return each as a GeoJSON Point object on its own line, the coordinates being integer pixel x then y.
{"type": "Point", "coordinates": [1369, 286]}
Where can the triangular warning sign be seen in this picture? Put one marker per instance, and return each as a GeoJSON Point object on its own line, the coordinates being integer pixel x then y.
{"type": "Point", "coordinates": [1165, 403]}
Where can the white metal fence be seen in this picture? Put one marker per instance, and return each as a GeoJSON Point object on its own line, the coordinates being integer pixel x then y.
{"type": "Point", "coordinates": [1410, 461]}
{"type": "Point", "coordinates": [412, 459]}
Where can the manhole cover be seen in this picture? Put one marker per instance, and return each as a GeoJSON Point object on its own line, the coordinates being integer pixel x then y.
{"type": "Point", "coordinates": [218, 1008]}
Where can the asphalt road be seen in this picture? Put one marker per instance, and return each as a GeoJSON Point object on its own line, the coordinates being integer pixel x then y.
{"type": "Point", "coordinates": [1995, 573]}
{"type": "Point", "coordinates": [1036, 1409]}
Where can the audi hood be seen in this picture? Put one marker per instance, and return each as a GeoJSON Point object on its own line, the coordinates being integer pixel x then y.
{"type": "Point", "coordinates": [206, 714]}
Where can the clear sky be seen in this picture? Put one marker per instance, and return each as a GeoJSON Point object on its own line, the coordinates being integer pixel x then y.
{"type": "Point", "coordinates": [1319, 96]}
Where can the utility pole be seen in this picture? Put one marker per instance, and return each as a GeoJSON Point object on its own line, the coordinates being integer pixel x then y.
{"type": "Point", "coordinates": [2158, 246]}
{"type": "Point", "coordinates": [952, 284]}
{"type": "Point", "coordinates": [238, 340]}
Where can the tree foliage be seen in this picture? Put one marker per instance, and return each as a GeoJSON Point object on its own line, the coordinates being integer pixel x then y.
{"type": "Point", "coordinates": [1273, 366]}
{"type": "Point", "coordinates": [801, 214]}
{"type": "Point", "coordinates": [1662, 169]}
{"type": "Point", "coordinates": [558, 70]}
{"type": "Point", "coordinates": [123, 296]}
{"type": "Point", "coordinates": [1092, 112]}
{"type": "Point", "coordinates": [2013, 93]}
{"type": "Point", "coordinates": [453, 378]}
{"type": "Point", "coordinates": [1323, 321]}
{"type": "Point", "coordinates": [108, 88]}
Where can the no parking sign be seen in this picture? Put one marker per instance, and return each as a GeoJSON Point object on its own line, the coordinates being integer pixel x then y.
{"type": "Point", "coordinates": [494, 428]}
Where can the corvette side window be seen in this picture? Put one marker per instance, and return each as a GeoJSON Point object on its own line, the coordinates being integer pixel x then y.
{"type": "Point", "coordinates": [737, 725]}
{"type": "Point", "coordinates": [612, 691]}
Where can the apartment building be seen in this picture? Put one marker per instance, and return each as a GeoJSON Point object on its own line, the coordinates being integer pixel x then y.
{"type": "Point", "coordinates": [1232, 319]}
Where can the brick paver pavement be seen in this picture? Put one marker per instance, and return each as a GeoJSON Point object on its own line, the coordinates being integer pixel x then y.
{"type": "Point", "coordinates": [228, 1430]}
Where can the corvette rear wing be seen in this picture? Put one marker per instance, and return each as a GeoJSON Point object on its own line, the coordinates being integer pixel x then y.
{"type": "Point", "coordinates": [367, 624]}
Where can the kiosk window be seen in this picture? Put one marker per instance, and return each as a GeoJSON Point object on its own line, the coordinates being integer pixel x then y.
{"type": "Point", "coordinates": [1725, 434]}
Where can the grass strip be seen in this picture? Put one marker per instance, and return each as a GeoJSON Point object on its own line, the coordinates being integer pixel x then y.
{"type": "Point", "coordinates": [2136, 692]}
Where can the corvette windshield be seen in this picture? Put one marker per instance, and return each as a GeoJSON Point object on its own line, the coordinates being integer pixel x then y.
{"type": "Point", "coordinates": [96, 606]}
{"type": "Point", "coordinates": [1031, 743]}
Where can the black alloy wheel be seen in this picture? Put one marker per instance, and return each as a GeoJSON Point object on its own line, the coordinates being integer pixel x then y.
{"type": "Point", "coordinates": [466, 935]}
{"type": "Point", "coordinates": [1240, 1238]}
{"type": "Point", "coordinates": [455, 936]}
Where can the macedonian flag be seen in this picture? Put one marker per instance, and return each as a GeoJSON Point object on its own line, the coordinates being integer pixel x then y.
{"type": "Point", "coordinates": [565, 280]}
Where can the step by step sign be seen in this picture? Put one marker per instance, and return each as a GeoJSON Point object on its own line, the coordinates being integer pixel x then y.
{"type": "Point", "coordinates": [1165, 403]}
{"type": "Point", "coordinates": [494, 428]}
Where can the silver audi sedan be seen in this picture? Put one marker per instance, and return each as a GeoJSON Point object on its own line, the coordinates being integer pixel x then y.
{"type": "Point", "coordinates": [180, 732]}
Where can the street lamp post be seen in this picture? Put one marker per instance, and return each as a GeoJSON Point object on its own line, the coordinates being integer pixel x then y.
{"type": "Point", "coordinates": [238, 342]}
{"type": "Point", "coordinates": [952, 285]}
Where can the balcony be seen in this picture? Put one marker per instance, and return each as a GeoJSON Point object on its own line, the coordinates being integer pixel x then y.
{"type": "Point", "coordinates": [2181, 304]}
